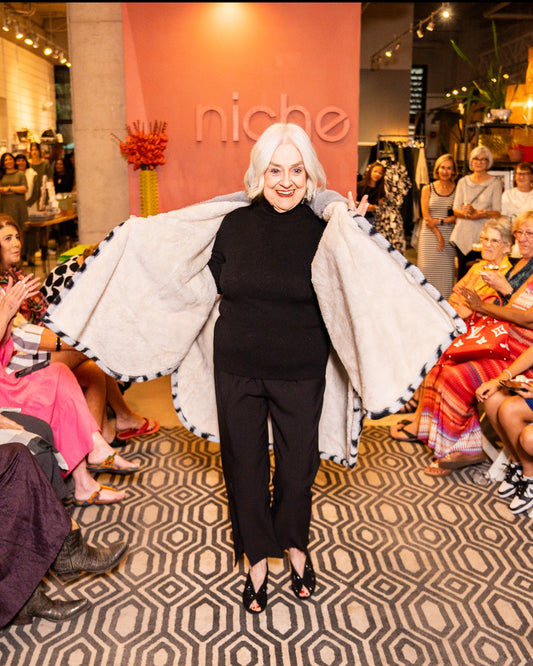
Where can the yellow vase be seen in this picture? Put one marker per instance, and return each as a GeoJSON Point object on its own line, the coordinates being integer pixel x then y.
{"type": "Point", "coordinates": [149, 192]}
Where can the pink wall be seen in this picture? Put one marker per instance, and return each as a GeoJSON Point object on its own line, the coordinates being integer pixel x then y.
{"type": "Point", "coordinates": [197, 65]}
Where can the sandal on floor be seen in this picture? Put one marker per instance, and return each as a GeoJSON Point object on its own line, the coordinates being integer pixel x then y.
{"type": "Point", "coordinates": [457, 460]}
{"type": "Point", "coordinates": [307, 580]}
{"type": "Point", "coordinates": [249, 595]}
{"type": "Point", "coordinates": [95, 498]}
{"type": "Point", "coordinates": [147, 428]}
{"type": "Point", "coordinates": [436, 470]}
{"type": "Point", "coordinates": [109, 467]}
{"type": "Point", "coordinates": [409, 437]}
{"type": "Point", "coordinates": [409, 407]}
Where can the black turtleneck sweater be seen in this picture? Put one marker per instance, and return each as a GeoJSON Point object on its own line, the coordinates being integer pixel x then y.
{"type": "Point", "coordinates": [270, 326]}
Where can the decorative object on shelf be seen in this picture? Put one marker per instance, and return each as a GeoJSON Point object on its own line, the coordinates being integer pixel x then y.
{"type": "Point", "coordinates": [490, 88]}
{"type": "Point", "coordinates": [144, 150]}
{"type": "Point", "coordinates": [515, 153]}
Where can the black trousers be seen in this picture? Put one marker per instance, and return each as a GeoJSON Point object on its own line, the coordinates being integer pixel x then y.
{"type": "Point", "coordinates": [265, 525]}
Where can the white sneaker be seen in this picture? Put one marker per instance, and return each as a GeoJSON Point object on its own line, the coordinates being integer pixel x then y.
{"type": "Point", "coordinates": [523, 499]}
{"type": "Point", "coordinates": [513, 474]}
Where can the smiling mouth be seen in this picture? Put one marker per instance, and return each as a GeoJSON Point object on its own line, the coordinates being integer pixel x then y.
{"type": "Point", "coordinates": [285, 194]}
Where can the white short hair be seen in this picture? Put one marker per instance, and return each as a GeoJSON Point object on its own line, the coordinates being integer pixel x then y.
{"type": "Point", "coordinates": [481, 151]}
{"type": "Point", "coordinates": [266, 145]}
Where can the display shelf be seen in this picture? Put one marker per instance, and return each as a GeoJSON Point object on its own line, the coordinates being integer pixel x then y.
{"type": "Point", "coordinates": [498, 137]}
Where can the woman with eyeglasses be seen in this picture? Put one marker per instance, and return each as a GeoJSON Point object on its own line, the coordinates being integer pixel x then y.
{"type": "Point", "coordinates": [477, 198]}
{"type": "Point", "coordinates": [447, 418]}
{"type": "Point", "coordinates": [519, 198]}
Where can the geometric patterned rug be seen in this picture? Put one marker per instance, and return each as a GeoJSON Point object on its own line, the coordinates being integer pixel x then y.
{"type": "Point", "coordinates": [411, 570]}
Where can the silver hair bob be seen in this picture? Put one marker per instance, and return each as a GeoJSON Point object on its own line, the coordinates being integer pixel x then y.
{"type": "Point", "coordinates": [481, 151]}
{"type": "Point", "coordinates": [503, 225]}
{"type": "Point", "coordinates": [261, 155]}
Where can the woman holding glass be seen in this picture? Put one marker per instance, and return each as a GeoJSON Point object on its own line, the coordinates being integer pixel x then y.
{"type": "Point", "coordinates": [478, 197]}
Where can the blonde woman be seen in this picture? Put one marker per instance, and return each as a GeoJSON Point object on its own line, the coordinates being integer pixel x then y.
{"type": "Point", "coordinates": [436, 256]}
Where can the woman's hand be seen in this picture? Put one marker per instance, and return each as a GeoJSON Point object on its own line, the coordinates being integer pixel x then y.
{"type": "Point", "coordinates": [14, 294]}
{"type": "Point", "coordinates": [525, 390]}
{"type": "Point", "coordinates": [8, 424]}
{"type": "Point", "coordinates": [487, 389]}
{"type": "Point", "coordinates": [474, 302]}
{"type": "Point", "coordinates": [497, 281]}
{"type": "Point", "coordinates": [361, 208]}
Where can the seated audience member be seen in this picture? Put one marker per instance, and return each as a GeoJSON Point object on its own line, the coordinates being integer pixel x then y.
{"type": "Point", "coordinates": [53, 394]}
{"type": "Point", "coordinates": [447, 418]}
{"type": "Point", "coordinates": [496, 240]}
{"type": "Point", "coordinates": [34, 343]}
{"type": "Point", "coordinates": [511, 414]}
{"type": "Point", "coordinates": [37, 534]}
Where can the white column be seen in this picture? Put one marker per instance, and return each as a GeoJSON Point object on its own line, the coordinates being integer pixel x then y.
{"type": "Point", "coordinates": [98, 111]}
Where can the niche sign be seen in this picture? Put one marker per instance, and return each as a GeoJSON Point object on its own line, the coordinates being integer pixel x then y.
{"type": "Point", "coordinates": [331, 124]}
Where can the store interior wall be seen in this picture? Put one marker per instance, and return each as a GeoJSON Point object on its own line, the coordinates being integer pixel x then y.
{"type": "Point", "coordinates": [27, 96]}
{"type": "Point", "coordinates": [234, 58]}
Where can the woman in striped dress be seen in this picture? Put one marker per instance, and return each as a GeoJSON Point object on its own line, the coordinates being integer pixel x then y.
{"type": "Point", "coordinates": [436, 257]}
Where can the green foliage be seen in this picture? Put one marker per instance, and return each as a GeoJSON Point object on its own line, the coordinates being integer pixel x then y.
{"type": "Point", "coordinates": [490, 87]}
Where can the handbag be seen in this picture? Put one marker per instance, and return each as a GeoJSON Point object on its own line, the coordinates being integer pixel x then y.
{"type": "Point", "coordinates": [486, 337]}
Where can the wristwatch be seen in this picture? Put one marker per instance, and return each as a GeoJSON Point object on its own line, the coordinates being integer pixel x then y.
{"type": "Point", "coordinates": [441, 222]}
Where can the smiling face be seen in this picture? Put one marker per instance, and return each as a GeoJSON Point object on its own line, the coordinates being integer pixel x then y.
{"type": "Point", "coordinates": [285, 178]}
{"type": "Point", "coordinates": [493, 248]}
{"type": "Point", "coordinates": [9, 162]}
{"type": "Point", "coordinates": [446, 170]}
{"type": "Point", "coordinates": [10, 246]}
{"type": "Point", "coordinates": [21, 163]}
{"type": "Point", "coordinates": [376, 174]}
{"type": "Point", "coordinates": [524, 238]}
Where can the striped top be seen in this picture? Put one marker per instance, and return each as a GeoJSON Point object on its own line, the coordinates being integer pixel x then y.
{"type": "Point", "coordinates": [438, 266]}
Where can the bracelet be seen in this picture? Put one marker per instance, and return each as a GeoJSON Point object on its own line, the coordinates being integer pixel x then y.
{"type": "Point", "coordinates": [510, 373]}
{"type": "Point", "coordinates": [58, 343]}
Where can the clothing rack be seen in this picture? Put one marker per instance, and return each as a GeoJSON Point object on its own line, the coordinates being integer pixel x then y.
{"type": "Point", "coordinates": [405, 140]}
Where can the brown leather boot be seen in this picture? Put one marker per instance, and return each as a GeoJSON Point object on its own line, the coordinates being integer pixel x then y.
{"type": "Point", "coordinates": [77, 556]}
{"type": "Point", "coordinates": [39, 605]}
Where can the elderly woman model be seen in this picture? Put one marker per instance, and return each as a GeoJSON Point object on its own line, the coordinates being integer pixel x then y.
{"type": "Point", "coordinates": [436, 257]}
{"type": "Point", "coordinates": [270, 353]}
{"type": "Point", "coordinates": [478, 197]}
{"type": "Point", "coordinates": [446, 418]}
{"type": "Point", "coordinates": [259, 350]}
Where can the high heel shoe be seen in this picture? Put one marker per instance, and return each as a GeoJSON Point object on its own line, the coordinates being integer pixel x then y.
{"type": "Point", "coordinates": [308, 579]}
{"type": "Point", "coordinates": [249, 595]}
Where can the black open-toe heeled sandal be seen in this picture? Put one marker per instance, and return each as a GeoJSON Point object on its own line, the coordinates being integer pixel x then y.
{"type": "Point", "coordinates": [249, 595]}
{"type": "Point", "coordinates": [308, 579]}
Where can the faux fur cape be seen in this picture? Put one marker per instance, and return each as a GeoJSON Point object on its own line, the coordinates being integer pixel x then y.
{"type": "Point", "coordinates": [145, 304]}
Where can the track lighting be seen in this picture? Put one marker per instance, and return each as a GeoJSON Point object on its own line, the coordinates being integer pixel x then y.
{"type": "Point", "coordinates": [32, 35]}
{"type": "Point", "coordinates": [444, 12]}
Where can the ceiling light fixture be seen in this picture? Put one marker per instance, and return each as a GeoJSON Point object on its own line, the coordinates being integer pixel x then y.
{"type": "Point", "coordinates": [430, 22]}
